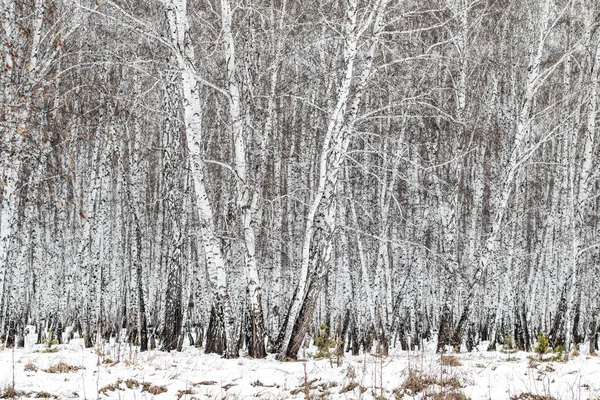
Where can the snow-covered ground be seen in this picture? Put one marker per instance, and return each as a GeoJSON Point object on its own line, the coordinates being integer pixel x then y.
{"type": "Point", "coordinates": [116, 371]}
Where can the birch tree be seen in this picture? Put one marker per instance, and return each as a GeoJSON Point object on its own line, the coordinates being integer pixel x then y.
{"type": "Point", "coordinates": [320, 224]}
{"type": "Point", "coordinates": [184, 53]}
{"type": "Point", "coordinates": [248, 195]}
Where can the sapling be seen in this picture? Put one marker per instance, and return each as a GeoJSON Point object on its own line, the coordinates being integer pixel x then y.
{"type": "Point", "coordinates": [542, 345]}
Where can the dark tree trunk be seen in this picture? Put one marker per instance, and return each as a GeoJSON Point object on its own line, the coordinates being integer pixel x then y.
{"type": "Point", "coordinates": [556, 336]}
{"type": "Point", "coordinates": [445, 331]}
{"type": "Point", "coordinates": [354, 338]}
{"type": "Point", "coordinates": [87, 339]}
{"type": "Point", "coordinates": [59, 332]}
{"type": "Point", "coordinates": [191, 338]}
{"type": "Point", "coordinates": [10, 335]}
{"type": "Point", "coordinates": [304, 317]}
{"type": "Point", "coordinates": [173, 309]}
{"type": "Point", "coordinates": [199, 336]}
{"type": "Point", "coordinates": [471, 338]}
{"type": "Point", "coordinates": [342, 332]}
{"type": "Point", "coordinates": [215, 336]}
{"type": "Point", "coordinates": [593, 335]}
{"type": "Point", "coordinates": [20, 339]}
{"type": "Point", "coordinates": [143, 324]}
{"type": "Point", "coordinates": [576, 334]}
{"type": "Point", "coordinates": [39, 333]}
{"type": "Point", "coordinates": [256, 343]}
{"type": "Point", "coordinates": [282, 326]}
{"type": "Point", "coordinates": [460, 329]}
{"type": "Point", "coordinates": [526, 333]}
{"type": "Point", "coordinates": [402, 334]}
{"type": "Point", "coordinates": [518, 332]}
{"type": "Point", "coordinates": [384, 340]}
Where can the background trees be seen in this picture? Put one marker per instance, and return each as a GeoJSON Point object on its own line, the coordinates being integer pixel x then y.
{"type": "Point", "coordinates": [235, 174]}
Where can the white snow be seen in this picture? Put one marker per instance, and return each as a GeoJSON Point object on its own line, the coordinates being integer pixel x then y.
{"type": "Point", "coordinates": [193, 374]}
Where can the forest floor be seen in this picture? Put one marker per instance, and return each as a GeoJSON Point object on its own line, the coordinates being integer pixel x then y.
{"type": "Point", "coordinates": [114, 371]}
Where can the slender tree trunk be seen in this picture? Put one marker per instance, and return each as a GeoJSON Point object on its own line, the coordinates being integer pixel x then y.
{"type": "Point", "coordinates": [320, 222]}
{"type": "Point", "coordinates": [179, 29]}
{"type": "Point", "coordinates": [581, 195]}
{"type": "Point", "coordinates": [521, 150]}
{"type": "Point", "coordinates": [247, 196]}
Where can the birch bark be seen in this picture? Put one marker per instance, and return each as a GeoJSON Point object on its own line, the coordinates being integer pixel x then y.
{"type": "Point", "coordinates": [248, 196]}
{"type": "Point", "coordinates": [582, 194]}
{"type": "Point", "coordinates": [520, 151]}
{"type": "Point", "coordinates": [320, 221]}
{"type": "Point", "coordinates": [192, 103]}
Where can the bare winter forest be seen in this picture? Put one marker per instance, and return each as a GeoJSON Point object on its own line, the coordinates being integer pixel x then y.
{"type": "Point", "coordinates": [243, 175]}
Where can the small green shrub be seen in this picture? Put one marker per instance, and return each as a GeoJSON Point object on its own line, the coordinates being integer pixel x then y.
{"type": "Point", "coordinates": [324, 343]}
{"type": "Point", "coordinates": [49, 341]}
{"type": "Point", "coordinates": [508, 347]}
{"type": "Point", "coordinates": [509, 342]}
{"type": "Point", "coordinates": [560, 350]}
{"type": "Point", "coordinates": [542, 346]}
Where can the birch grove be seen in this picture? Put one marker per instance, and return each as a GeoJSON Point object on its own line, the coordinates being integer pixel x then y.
{"type": "Point", "coordinates": [244, 176]}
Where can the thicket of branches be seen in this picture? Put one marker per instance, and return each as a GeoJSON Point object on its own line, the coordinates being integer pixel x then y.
{"type": "Point", "coordinates": [236, 173]}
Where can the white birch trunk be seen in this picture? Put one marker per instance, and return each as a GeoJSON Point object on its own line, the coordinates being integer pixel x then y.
{"type": "Point", "coordinates": [521, 151]}
{"type": "Point", "coordinates": [385, 199]}
{"type": "Point", "coordinates": [248, 197]}
{"type": "Point", "coordinates": [582, 194]}
{"type": "Point", "coordinates": [17, 117]}
{"type": "Point", "coordinates": [184, 52]}
{"type": "Point", "coordinates": [320, 221]}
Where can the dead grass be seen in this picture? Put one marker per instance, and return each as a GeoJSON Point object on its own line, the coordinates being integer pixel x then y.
{"type": "Point", "coordinates": [30, 367]}
{"type": "Point", "coordinates": [132, 383]}
{"type": "Point", "coordinates": [416, 382]}
{"type": "Point", "coordinates": [532, 396]}
{"type": "Point", "coordinates": [258, 383]}
{"type": "Point", "coordinates": [229, 386]}
{"type": "Point", "coordinates": [446, 396]}
{"type": "Point", "coordinates": [153, 389]}
{"type": "Point", "coordinates": [205, 383]}
{"type": "Point", "coordinates": [450, 382]}
{"type": "Point", "coordinates": [110, 388]}
{"type": "Point", "coordinates": [184, 392]}
{"type": "Point", "coordinates": [10, 392]}
{"type": "Point", "coordinates": [62, 368]}
{"type": "Point", "coordinates": [451, 361]}
{"type": "Point", "coordinates": [575, 352]}
{"type": "Point", "coordinates": [44, 395]}
{"type": "Point", "coordinates": [398, 394]}
{"type": "Point", "coordinates": [350, 386]}
{"type": "Point", "coordinates": [350, 372]}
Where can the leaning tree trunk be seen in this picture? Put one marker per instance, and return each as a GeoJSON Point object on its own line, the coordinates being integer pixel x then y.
{"type": "Point", "coordinates": [215, 262]}
{"type": "Point", "coordinates": [320, 221]}
{"type": "Point", "coordinates": [521, 150]}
